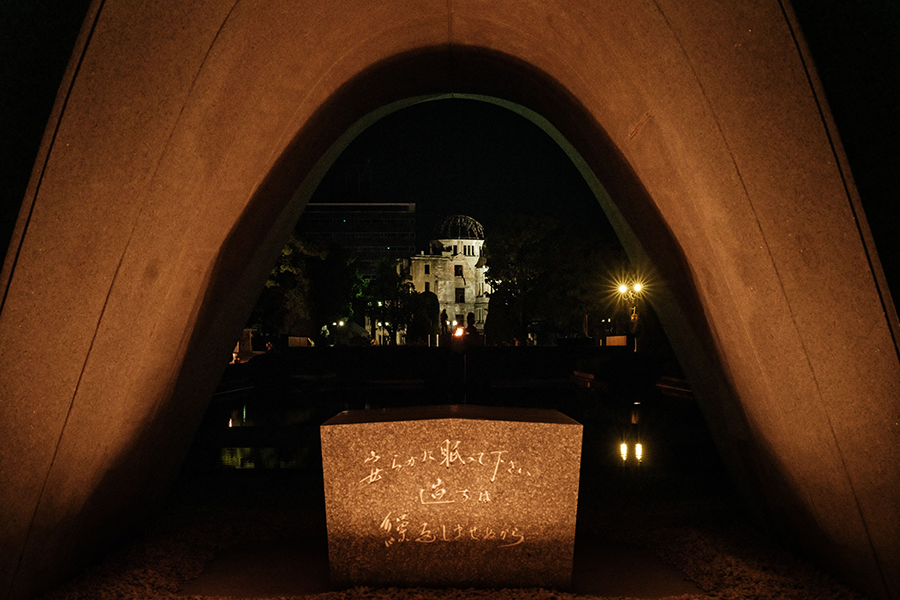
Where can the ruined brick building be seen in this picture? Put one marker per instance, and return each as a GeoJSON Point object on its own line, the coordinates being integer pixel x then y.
{"type": "Point", "coordinates": [454, 269]}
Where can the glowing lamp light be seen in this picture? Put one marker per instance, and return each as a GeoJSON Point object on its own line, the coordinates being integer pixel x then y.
{"type": "Point", "coordinates": [623, 450]}
{"type": "Point", "coordinates": [638, 451]}
{"type": "Point", "coordinates": [458, 332]}
{"type": "Point", "coordinates": [340, 323]}
{"type": "Point", "coordinates": [630, 289]}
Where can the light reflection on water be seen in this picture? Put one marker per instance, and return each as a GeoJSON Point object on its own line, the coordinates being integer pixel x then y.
{"type": "Point", "coordinates": [265, 416]}
{"type": "Point", "coordinates": [264, 458]}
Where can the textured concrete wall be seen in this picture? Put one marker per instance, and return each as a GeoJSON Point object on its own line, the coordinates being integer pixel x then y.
{"type": "Point", "coordinates": [169, 179]}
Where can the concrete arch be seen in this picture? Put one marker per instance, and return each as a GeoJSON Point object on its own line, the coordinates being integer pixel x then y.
{"type": "Point", "coordinates": [187, 137]}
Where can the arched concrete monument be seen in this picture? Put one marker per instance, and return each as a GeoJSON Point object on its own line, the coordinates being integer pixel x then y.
{"type": "Point", "coordinates": [187, 138]}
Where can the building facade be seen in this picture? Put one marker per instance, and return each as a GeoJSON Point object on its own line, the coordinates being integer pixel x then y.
{"type": "Point", "coordinates": [369, 231]}
{"type": "Point", "coordinates": [454, 269]}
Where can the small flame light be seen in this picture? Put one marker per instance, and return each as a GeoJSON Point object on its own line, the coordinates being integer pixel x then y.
{"type": "Point", "coordinates": [459, 332]}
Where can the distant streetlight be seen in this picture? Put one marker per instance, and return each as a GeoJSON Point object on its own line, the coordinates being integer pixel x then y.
{"type": "Point", "coordinates": [631, 291]}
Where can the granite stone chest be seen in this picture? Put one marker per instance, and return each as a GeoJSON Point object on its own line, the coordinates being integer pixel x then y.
{"type": "Point", "coordinates": [451, 496]}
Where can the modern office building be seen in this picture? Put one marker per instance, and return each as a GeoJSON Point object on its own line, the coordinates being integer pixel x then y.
{"type": "Point", "coordinates": [368, 230]}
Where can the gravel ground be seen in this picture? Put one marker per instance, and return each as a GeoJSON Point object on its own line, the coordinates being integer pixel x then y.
{"type": "Point", "coordinates": [691, 522]}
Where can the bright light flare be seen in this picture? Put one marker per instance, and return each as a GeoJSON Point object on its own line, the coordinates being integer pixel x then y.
{"type": "Point", "coordinates": [638, 451]}
{"type": "Point", "coordinates": [623, 450]}
{"type": "Point", "coordinates": [630, 288]}
{"type": "Point", "coordinates": [459, 332]}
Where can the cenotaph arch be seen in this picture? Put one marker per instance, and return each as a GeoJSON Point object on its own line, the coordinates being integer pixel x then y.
{"type": "Point", "coordinates": [188, 136]}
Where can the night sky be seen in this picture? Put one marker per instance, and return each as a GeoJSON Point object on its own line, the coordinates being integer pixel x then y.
{"type": "Point", "coordinates": [463, 157]}
{"type": "Point", "coordinates": [481, 160]}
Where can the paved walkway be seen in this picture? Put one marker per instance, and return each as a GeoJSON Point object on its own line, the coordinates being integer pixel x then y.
{"type": "Point", "coordinates": [262, 535]}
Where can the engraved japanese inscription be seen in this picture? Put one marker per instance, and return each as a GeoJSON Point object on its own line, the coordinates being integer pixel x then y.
{"type": "Point", "coordinates": [451, 495]}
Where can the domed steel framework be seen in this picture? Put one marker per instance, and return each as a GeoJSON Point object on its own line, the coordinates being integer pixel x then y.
{"type": "Point", "coordinates": [459, 227]}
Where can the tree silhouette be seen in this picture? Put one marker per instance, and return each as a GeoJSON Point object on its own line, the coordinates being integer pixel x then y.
{"type": "Point", "coordinates": [311, 284]}
{"type": "Point", "coordinates": [547, 279]}
{"type": "Point", "coordinates": [389, 297]}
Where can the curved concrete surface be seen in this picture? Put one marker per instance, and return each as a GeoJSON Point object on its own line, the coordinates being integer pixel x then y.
{"type": "Point", "coordinates": [187, 137]}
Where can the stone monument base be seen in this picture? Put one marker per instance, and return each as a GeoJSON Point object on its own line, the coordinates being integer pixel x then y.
{"type": "Point", "coordinates": [451, 496]}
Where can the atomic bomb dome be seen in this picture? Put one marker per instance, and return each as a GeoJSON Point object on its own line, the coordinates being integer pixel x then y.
{"type": "Point", "coordinates": [459, 227]}
{"type": "Point", "coordinates": [454, 270]}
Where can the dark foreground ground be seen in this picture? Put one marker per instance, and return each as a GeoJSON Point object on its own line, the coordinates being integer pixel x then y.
{"type": "Point", "coordinates": [670, 527]}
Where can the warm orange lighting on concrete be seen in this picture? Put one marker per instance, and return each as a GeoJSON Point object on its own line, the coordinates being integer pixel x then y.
{"type": "Point", "coordinates": [451, 495]}
{"type": "Point", "coordinates": [741, 127]}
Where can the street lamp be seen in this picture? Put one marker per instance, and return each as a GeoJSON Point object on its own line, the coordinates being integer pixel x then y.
{"type": "Point", "coordinates": [631, 291]}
